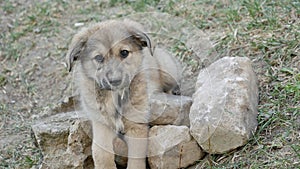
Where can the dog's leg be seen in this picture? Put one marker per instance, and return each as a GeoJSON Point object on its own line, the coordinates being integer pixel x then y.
{"type": "Point", "coordinates": [102, 147]}
{"type": "Point", "coordinates": [137, 141]}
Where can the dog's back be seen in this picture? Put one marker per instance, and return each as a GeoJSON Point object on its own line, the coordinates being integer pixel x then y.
{"type": "Point", "coordinates": [170, 71]}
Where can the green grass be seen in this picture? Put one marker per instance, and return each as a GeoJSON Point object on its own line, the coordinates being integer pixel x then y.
{"type": "Point", "coordinates": [41, 18]}
{"type": "Point", "coordinates": [139, 5]}
{"type": "Point", "coordinates": [184, 55]}
{"type": "Point", "coordinates": [265, 31]}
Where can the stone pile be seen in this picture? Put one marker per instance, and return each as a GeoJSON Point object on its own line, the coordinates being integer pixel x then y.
{"type": "Point", "coordinates": [220, 117]}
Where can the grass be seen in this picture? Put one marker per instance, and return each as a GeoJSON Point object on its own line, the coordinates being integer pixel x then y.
{"type": "Point", "coordinates": [184, 54]}
{"type": "Point", "coordinates": [265, 31]}
{"type": "Point", "coordinates": [42, 19]}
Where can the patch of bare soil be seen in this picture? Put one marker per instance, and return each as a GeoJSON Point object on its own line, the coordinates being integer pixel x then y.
{"type": "Point", "coordinates": [33, 77]}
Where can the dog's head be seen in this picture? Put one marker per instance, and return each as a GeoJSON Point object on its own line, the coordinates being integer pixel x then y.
{"type": "Point", "coordinates": [110, 52]}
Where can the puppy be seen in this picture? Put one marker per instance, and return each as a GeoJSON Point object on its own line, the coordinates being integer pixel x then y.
{"type": "Point", "coordinates": [119, 71]}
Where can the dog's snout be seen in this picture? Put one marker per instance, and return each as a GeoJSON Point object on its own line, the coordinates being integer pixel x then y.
{"type": "Point", "coordinates": [114, 78]}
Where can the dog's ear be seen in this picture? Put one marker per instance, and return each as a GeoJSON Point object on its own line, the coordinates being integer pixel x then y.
{"type": "Point", "coordinates": [78, 44]}
{"type": "Point", "coordinates": [142, 39]}
{"type": "Point", "coordinates": [75, 49]}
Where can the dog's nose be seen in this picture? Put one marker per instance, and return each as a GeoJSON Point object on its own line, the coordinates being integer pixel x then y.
{"type": "Point", "coordinates": [115, 82]}
{"type": "Point", "coordinates": [114, 78]}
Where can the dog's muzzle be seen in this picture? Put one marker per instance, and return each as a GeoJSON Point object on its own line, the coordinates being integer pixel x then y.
{"type": "Point", "coordinates": [114, 82]}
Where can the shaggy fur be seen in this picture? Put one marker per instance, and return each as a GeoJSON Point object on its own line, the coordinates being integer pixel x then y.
{"type": "Point", "coordinates": [118, 73]}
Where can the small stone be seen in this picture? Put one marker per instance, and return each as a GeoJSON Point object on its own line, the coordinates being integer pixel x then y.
{"type": "Point", "coordinates": [78, 24]}
{"type": "Point", "coordinates": [170, 109]}
{"type": "Point", "coordinates": [172, 147]}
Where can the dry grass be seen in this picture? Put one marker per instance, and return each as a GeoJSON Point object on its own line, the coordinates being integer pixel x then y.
{"type": "Point", "coordinates": [34, 37]}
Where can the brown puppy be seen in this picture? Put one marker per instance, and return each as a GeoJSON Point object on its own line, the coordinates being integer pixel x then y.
{"type": "Point", "coordinates": [118, 73]}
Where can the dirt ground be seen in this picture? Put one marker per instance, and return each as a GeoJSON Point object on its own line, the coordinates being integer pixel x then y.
{"type": "Point", "coordinates": [34, 79]}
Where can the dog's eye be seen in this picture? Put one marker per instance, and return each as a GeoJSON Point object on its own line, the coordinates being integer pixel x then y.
{"type": "Point", "coordinates": [124, 53]}
{"type": "Point", "coordinates": [99, 58]}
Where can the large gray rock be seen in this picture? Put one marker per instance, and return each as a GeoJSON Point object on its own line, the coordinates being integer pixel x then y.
{"type": "Point", "coordinates": [65, 141]}
{"type": "Point", "coordinates": [172, 147]}
{"type": "Point", "coordinates": [224, 110]}
{"type": "Point", "coordinates": [170, 109]}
